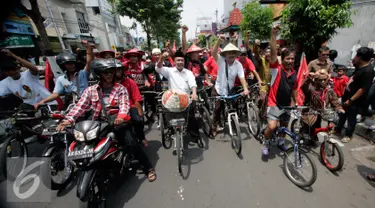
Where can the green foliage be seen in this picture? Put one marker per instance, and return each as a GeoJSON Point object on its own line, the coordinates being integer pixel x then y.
{"type": "Point", "coordinates": [213, 40]}
{"type": "Point", "coordinates": [158, 18]}
{"type": "Point", "coordinates": [202, 41]}
{"type": "Point", "coordinates": [258, 19]}
{"type": "Point", "coordinates": [312, 22]}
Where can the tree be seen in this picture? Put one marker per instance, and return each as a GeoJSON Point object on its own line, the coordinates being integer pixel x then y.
{"type": "Point", "coordinates": [34, 13]}
{"type": "Point", "coordinates": [202, 41]}
{"type": "Point", "coordinates": [313, 22]}
{"type": "Point", "coordinates": [258, 20]}
{"type": "Point", "coordinates": [213, 40]}
{"type": "Point", "coordinates": [155, 16]}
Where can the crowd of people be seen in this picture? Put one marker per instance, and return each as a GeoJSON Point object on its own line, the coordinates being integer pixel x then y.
{"type": "Point", "coordinates": [121, 77]}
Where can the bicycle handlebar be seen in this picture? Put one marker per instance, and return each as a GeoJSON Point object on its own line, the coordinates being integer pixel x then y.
{"type": "Point", "coordinates": [229, 97]}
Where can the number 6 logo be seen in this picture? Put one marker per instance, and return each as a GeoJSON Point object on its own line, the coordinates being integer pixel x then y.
{"type": "Point", "coordinates": [22, 178]}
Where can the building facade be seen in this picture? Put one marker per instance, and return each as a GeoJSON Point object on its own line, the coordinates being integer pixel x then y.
{"type": "Point", "coordinates": [362, 31]}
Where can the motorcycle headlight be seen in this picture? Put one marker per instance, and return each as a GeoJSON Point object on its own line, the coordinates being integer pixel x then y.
{"type": "Point", "coordinates": [79, 136]}
{"type": "Point", "coordinates": [92, 134]}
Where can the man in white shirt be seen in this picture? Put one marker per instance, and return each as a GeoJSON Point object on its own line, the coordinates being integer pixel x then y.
{"type": "Point", "coordinates": [228, 69]}
{"type": "Point", "coordinates": [180, 78]}
{"type": "Point", "coordinates": [24, 85]}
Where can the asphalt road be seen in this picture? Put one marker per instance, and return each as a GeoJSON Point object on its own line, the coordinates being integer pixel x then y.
{"type": "Point", "coordinates": [219, 179]}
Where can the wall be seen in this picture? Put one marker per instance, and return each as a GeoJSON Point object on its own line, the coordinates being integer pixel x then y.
{"type": "Point", "coordinates": [97, 27]}
{"type": "Point", "coordinates": [363, 30]}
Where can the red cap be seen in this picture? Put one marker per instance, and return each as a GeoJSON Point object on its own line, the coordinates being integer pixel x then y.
{"type": "Point", "coordinates": [194, 48]}
{"type": "Point", "coordinates": [133, 52]}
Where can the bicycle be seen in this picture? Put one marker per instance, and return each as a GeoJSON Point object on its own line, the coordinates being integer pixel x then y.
{"type": "Point", "coordinates": [147, 107]}
{"type": "Point", "coordinates": [297, 151]}
{"type": "Point", "coordinates": [330, 147]}
{"type": "Point", "coordinates": [177, 124]}
{"type": "Point", "coordinates": [202, 113]}
{"type": "Point", "coordinates": [230, 112]}
{"type": "Point", "coordinates": [21, 124]}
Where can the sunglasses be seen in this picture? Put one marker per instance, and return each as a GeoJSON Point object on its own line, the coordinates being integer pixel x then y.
{"type": "Point", "coordinates": [109, 71]}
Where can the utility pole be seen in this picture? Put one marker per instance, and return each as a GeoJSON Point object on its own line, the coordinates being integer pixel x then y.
{"type": "Point", "coordinates": [54, 23]}
{"type": "Point", "coordinates": [217, 16]}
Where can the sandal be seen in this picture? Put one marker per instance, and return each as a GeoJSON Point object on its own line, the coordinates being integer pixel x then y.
{"type": "Point", "coordinates": [151, 176]}
{"type": "Point", "coordinates": [214, 131]}
{"type": "Point", "coordinates": [371, 177]}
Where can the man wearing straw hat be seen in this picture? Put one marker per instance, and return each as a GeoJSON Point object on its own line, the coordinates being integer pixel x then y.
{"type": "Point", "coordinates": [228, 69]}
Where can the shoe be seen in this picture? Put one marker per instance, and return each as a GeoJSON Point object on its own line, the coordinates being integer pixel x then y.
{"type": "Point", "coordinates": [346, 139]}
{"type": "Point", "coordinates": [281, 144]}
{"type": "Point", "coordinates": [265, 149]}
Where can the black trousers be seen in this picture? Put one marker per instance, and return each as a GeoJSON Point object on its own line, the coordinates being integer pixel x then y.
{"type": "Point", "coordinates": [127, 138]}
{"type": "Point", "coordinates": [137, 123]}
{"type": "Point", "coordinates": [193, 124]}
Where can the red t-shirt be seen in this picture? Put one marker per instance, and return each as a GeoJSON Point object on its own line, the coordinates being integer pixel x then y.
{"type": "Point", "coordinates": [211, 67]}
{"type": "Point", "coordinates": [133, 91]}
{"type": "Point", "coordinates": [248, 67]}
{"type": "Point", "coordinates": [171, 61]}
{"type": "Point", "coordinates": [135, 71]}
{"type": "Point", "coordinates": [339, 84]}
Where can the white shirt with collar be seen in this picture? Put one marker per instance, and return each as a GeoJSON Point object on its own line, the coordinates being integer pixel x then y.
{"type": "Point", "coordinates": [234, 70]}
{"type": "Point", "coordinates": [178, 80]}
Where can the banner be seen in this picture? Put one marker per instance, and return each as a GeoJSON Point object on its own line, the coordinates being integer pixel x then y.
{"type": "Point", "coordinates": [303, 72]}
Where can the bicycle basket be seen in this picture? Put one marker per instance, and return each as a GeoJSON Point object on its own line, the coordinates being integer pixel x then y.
{"type": "Point", "coordinates": [175, 101]}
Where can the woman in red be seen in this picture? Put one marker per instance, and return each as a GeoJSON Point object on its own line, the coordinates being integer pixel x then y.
{"type": "Point", "coordinates": [134, 68]}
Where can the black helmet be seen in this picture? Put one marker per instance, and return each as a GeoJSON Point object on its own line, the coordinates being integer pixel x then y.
{"type": "Point", "coordinates": [97, 66]}
{"type": "Point", "coordinates": [65, 57]}
{"type": "Point", "coordinates": [119, 65]}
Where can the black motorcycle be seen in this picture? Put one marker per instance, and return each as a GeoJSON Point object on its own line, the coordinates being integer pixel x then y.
{"type": "Point", "coordinates": [99, 157]}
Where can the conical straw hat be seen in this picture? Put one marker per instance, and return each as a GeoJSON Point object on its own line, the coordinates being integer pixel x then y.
{"type": "Point", "coordinates": [230, 47]}
{"type": "Point", "coordinates": [194, 48]}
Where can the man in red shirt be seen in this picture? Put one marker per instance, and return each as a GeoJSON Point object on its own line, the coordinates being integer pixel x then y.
{"type": "Point", "coordinates": [340, 82]}
{"type": "Point", "coordinates": [248, 67]}
{"type": "Point", "coordinates": [134, 68]}
{"type": "Point", "coordinates": [135, 99]}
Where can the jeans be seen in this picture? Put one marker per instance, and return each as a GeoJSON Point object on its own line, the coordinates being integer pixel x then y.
{"type": "Point", "coordinates": [137, 123]}
{"type": "Point", "coordinates": [350, 115]}
{"type": "Point", "coordinates": [127, 138]}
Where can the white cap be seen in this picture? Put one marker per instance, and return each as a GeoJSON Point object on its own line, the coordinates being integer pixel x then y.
{"type": "Point", "coordinates": [156, 51]}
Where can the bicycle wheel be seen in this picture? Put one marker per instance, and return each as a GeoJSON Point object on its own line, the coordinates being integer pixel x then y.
{"type": "Point", "coordinates": [165, 140]}
{"type": "Point", "coordinates": [13, 157]}
{"type": "Point", "coordinates": [236, 135]}
{"type": "Point", "coordinates": [328, 150]}
{"type": "Point", "coordinates": [253, 121]}
{"type": "Point", "coordinates": [206, 120]}
{"type": "Point", "coordinates": [179, 150]}
{"type": "Point", "coordinates": [293, 164]}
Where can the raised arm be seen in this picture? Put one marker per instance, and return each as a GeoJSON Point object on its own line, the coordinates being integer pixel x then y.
{"type": "Point", "coordinates": [184, 41]}
{"type": "Point", "coordinates": [215, 50]}
{"type": "Point", "coordinates": [275, 29]}
{"type": "Point", "coordinates": [247, 44]}
{"type": "Point", "coordinates": [89, 56]}
{"type": "Point", "coordinates": [33, 69]}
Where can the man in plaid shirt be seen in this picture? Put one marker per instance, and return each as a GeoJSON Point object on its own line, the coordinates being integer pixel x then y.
{"type": "Point", "coordinates": [113, 95]}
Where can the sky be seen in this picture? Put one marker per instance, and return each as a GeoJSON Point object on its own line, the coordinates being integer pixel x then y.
{"type": "Point", "coordinates": [192, 9]}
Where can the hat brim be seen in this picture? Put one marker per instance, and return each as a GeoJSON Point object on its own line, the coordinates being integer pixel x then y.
{"type": "Point", "coordinates": [238, 53]}
{"type": "Point", "coordinates": [128, 55]}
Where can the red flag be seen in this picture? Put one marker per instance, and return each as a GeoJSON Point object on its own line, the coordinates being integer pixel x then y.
{"type": "Point", "coordinates": [174, 46]}
{"type": "Point", "coordinates": [48, 83]}
{"type": "Point", "coordinates": [303, 72]}
{"type": "Point", "coordinates": [48, 76]}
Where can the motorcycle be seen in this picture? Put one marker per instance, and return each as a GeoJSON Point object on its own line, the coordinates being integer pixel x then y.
{"type": "Point", "coordinates": [99, 157]}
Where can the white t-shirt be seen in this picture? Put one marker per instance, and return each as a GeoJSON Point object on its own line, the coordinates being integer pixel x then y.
{"type": "Point", "coordinates": [234, 70]}
{"type": "Point", "coordinates": [27, 87]}
{"type": "Point", "coordinates": [184, 80]}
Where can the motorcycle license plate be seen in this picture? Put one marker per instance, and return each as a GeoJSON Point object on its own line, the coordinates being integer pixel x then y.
{"type": "Point", "coordinates": [81, 154]}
